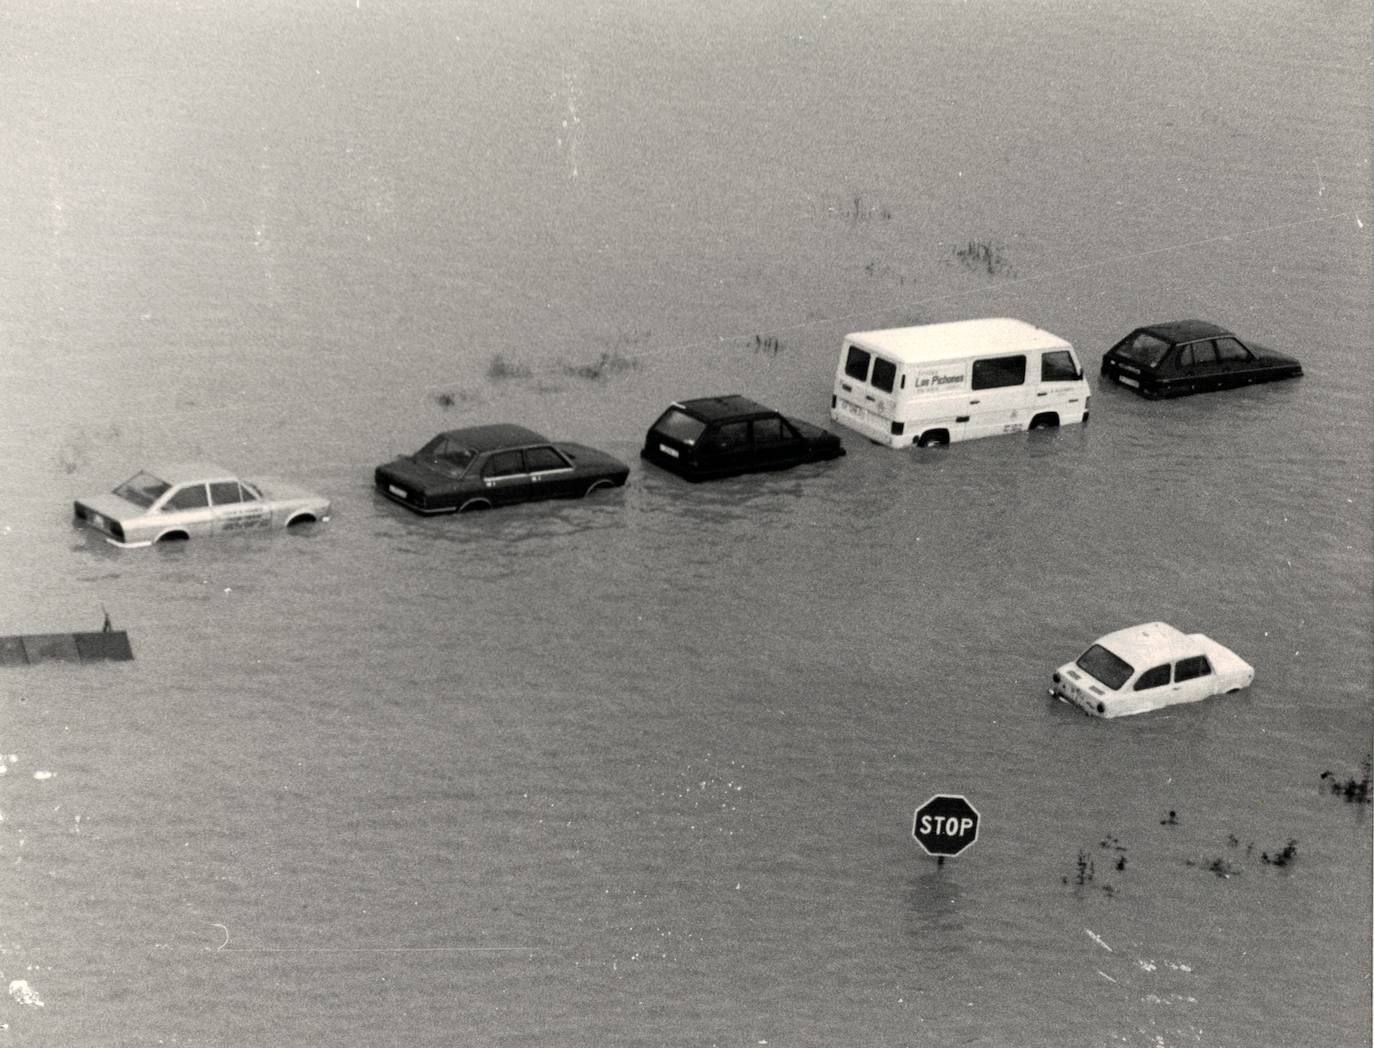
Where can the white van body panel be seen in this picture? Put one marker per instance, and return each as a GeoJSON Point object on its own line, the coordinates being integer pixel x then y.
{"type": "Point", "coordinates": [956, 381]}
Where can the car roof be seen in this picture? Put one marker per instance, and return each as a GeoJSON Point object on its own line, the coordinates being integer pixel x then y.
{"type": "Point", "coordinates": [713, 409]}
{"type": "Point", "coordinates": [496, 436]}
{"type": "Point", "coordinates": [926, 343]}
{"type": "Point", "coordinates": [175, 473]}
{"type": "Point", "coordinates": [1150, 644]}
{"type": "Point", "coordinates": [1184, 330]}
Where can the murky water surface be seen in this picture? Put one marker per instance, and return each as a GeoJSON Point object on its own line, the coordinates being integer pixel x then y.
{"type": "Point", "coordinates": [640, 770]}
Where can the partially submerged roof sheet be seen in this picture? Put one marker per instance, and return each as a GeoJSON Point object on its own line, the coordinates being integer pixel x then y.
{"type": "Point", "coordinates": [958, 338]}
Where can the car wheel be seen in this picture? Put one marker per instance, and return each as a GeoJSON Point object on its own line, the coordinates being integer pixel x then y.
{"type": "Point", "coordinates": [173, 536]}
{"type": "Point", "coordinates": [474, 505]}
{"type": "Point", "coordinates": [303, 518]}
{"type": "Point", "coordinates": [600, 482]}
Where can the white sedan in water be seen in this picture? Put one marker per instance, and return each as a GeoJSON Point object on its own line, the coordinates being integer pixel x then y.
{"type": "Point", "coordinates": [1146, 667]}
{"type": "Point", "coordinates": [195, 499]}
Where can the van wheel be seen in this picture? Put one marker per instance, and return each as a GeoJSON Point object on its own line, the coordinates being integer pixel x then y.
{"type": "Point", "coordinates": [1049, 420]}
{"type": "Point", "coordinates": [933, 438]}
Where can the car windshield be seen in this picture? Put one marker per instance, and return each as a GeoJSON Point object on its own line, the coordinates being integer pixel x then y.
{"type": "Point", "coordinates": [1110, 669]}
{"type": "Point", "coordinates": [450, 455]}
{"type": "Point", "coordinates": [142, 489]}
{"type": "Point", "coordinates": [1142, 348]}
{"type": "Point", "coordinates": [679, 425]}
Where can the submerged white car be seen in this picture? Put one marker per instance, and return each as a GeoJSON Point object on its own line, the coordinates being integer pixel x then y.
{"type": "Point", "coordinates": [194, 499]}
{"type": "Point", "coordinates": [1147, 667]}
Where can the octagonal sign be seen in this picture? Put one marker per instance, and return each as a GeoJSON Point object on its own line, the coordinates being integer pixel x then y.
{"type": "Point", "coordinates": [945, 825]}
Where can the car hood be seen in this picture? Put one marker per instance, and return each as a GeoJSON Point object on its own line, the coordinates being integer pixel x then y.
{"type": "Point", "coordinates": [1271, 356]}
{"type": "Point", "coordinates": [112, 507]}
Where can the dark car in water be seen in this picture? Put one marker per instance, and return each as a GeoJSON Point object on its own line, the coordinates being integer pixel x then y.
{"type": "Point", "coordinates": [481, 467]}
{"type": "Point", "coordinates": [713, 437]}
{"type": "Point", "coordinates": [1180, 357]}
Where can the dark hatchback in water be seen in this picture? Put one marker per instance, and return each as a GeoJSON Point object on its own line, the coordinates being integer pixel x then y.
{"type": "Point", "coordinates": [486, 466]}
{"type": "Point", "coordinates": [714, 437]}
{"type": "Point", "coordinates": [1191, 356]}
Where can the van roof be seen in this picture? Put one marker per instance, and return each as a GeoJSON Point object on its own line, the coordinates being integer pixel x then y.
{"type": "Point", "coordinates": [958, 338]}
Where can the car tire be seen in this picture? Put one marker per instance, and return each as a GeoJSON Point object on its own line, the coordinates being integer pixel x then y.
{"type": "Point", "coordinates": [173, 536]}
{"type": "Point", "coordinates": [473, 505]}
{"type": "Point", "coordinates": [600, 482]}
{"type": "Point", "coordinates": [302, 518]}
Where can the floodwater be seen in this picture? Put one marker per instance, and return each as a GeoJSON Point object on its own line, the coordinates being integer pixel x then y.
{"type": "Point", "coordinates": [641, 770]}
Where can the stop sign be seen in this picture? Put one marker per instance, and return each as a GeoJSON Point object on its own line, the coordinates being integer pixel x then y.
{"type": "Point", "coordinates": [946, 824]}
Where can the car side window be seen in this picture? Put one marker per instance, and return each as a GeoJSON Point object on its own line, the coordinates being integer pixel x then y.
{"type": "Point", "coordinates": [1153, 678]}
{"type": "Point", "coordinates": [192, 496]}
{"type": "Point", "coordinates": [1229, 350]}
{"type": "Point", "coordinates": [250, 493]}
{"type": "Point", "coordinates": [996, 372]}
{"type": "Point", "coordinates": [1188, 669]}
{"type": "Point", "coordinates": [537, 460]}
{"type": "Point", "coordinates": [225, 492]}
{"type": "Point", "coordinates": [505, 464]}
{"type": "Point", "coordinates": [770, 431]}
{"type": "Point", "coordinates": [728, 436]}
{"type": "Point", "coordinates": [856, 363]}
{"type": "Point", "coordinates": [1198, 355]}
{"type": "Point", "coordinates": [1058, 366]}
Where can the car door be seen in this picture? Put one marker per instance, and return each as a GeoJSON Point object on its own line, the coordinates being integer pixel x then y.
{"type": "Point", "coordinates": [725, 448]}
{"type": "Point", "coordinates": [1151, 688]}
{"type": "Point", "coordinates": [235, 508]}
{"type": "Point", "coordinates": [187, 508]}
{"type": "Point", "coordinates": [1197, 366]}
{"type": "Point", "coordinates": [1193, 679]}
{"type": "Point", "coordinates": [1235, 363]}
{"type": "Point", "coordinates": [551, 474]}
{"type": "Point", "coordinates": [1060, 386]}
{"type": "Point", "coordinates": [505, 478]}
{"type": "Point", "coordinates": [776, 443]}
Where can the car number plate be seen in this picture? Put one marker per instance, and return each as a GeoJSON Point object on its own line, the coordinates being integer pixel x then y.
{"type": "Point", "coordinates": [1126, 380]}
{"type": "Point", "coordinates": [669, 451]}
{"type": "Point", "coordinates": [398, 492]}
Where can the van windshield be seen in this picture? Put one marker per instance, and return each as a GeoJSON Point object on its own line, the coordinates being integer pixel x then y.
{"type": "Point", "coordinates": [1110, 669]}
{"type": "Point", "coordinates": [679, 426]}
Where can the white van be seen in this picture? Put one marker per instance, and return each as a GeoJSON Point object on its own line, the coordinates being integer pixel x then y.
{"type": "Point", "coordinates": [938, 383]}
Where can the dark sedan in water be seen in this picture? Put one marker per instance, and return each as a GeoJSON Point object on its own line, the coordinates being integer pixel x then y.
{"type": "Point", "coordinates": [714, 437]}
{"type": "Point", "coordinates": [1191, 356]}
{"type": "Point", "coordinates": [486, 466]}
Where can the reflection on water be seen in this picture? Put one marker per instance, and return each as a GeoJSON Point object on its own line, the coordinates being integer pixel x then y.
{"type": "Point", "coordinates": [934, 913]}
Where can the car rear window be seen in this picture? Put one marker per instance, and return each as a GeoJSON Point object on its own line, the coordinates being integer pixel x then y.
{"type": "Point", "coordinates": [1141, 348]}
{"type": "Point", "coordinates": [142, 489]}
{"type": "Point", "coordinates": [680, 426]}
{"type": "Point", "coordinates": [1110, 669]}
{"type": "Point", "coordinates": [448, 451]}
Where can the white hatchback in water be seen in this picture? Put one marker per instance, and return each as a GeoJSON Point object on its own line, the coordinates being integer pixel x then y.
{"type": "Point", "coordinates": [1147, 667]}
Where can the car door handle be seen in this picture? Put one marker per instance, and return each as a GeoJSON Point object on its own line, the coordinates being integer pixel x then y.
{"type": "Point", "coordinates": [1042, 394]}
{"type": "Point", "coordinates": [975, 401]}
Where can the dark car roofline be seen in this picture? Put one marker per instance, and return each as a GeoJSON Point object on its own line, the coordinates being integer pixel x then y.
{"type": "Point", "coordinates": [712, 409]}
{"type": "Point", "coordinates": [498, 436]}
{"type": "Point", "coordinates": [1177, 331]}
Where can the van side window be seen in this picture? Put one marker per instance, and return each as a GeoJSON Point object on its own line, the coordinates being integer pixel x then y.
{"type": "Point", "coordinates": [884, 374]}
{"type": "Point", "coordinates": [1187, 669]}
{"type": "Point", "coordinates": [856, 363]}
{"type": "Point", "coordinates": [999, 371]}
{"type": "Point", "coordinates": [1058, 366]}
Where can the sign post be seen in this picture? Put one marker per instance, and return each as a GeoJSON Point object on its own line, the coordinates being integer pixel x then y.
{"type": "Point", "coordinates": [945, 825]}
